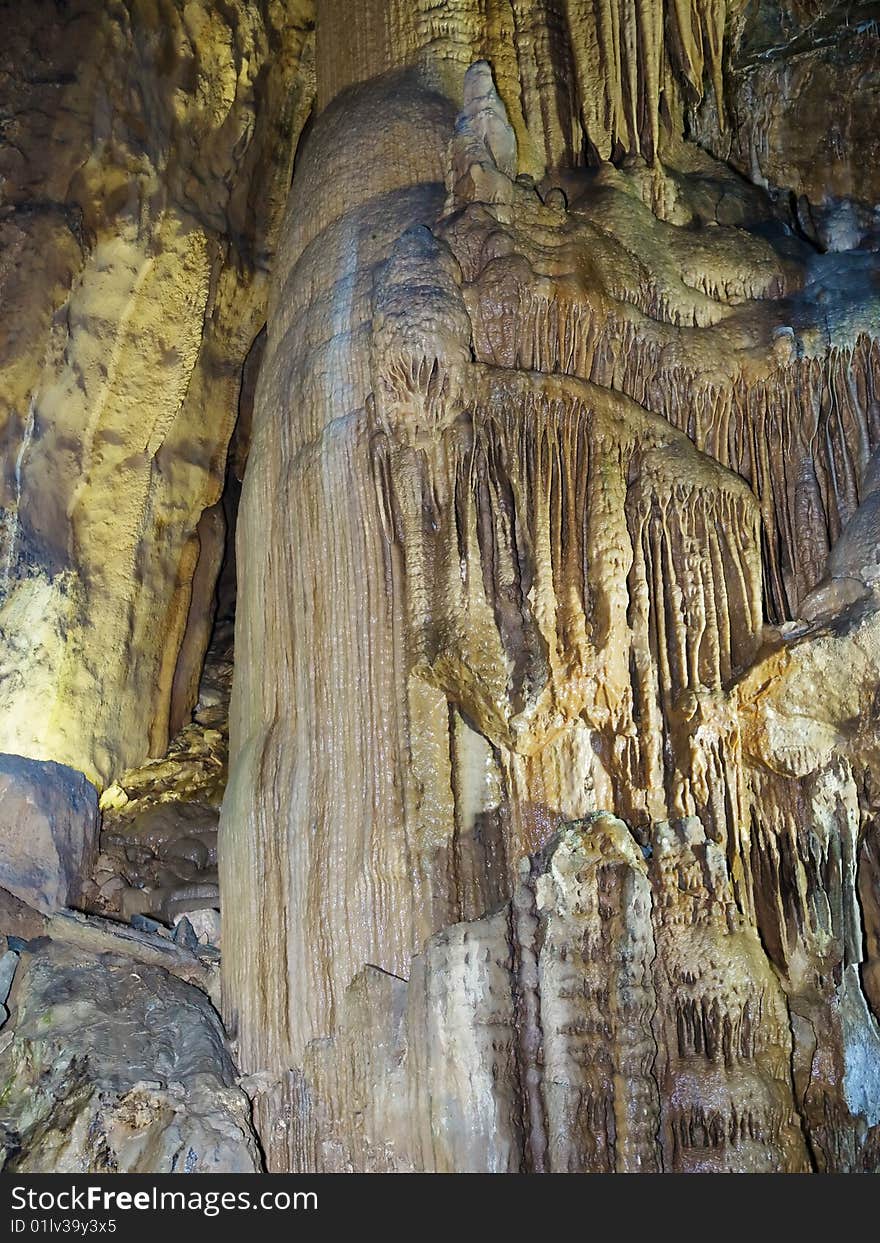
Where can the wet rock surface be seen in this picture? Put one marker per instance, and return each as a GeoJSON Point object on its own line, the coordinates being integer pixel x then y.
{"type": "Point", "coordinates": [799, 116]}
{"type": "Point", "coordinates": [161, 863]}
{"type": "Point", "coordinates": [548, 454]}
{"type": "Point", "coordinates": [116, 1066]}
{"type": "Point", "coordinates": [549, 841]}
{"type": "Point", "coordinates": [566, 1032]}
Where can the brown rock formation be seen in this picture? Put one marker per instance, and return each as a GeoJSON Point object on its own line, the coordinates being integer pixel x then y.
{"type": "Point", "coordinates": [48, 832]}
{"type": "Point", "coordinates": [550, 841]}
{"type": "Point", "coordinates": [801, 111]}
{"type": "Point", "coordinates": [568, 1031]}
{"type": "Point", "coordinates": [115, 1070]}
{"type": "Point", "coordinates": [531, 466]}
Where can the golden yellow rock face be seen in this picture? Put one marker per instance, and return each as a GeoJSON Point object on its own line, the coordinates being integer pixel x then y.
{"type": "Point", "coordinates": [570, 73]}
{"type": "Point", "coordinates": [133, 283]}
{"type": "Point", "coordinates": [534, 565]}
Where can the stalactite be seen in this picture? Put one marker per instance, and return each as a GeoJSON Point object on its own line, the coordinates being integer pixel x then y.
{"type": "Point", "coordinates": [619, 49]}
{"type": "Point", "coordinates": [536, 458]}
{"type": "Point", "coordinates": [799, 424]}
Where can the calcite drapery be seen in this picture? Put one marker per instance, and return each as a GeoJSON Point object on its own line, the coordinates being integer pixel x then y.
{"type": "Point", "coordinates": [567, 1031]}
{"type": "Point", "coordinates": [530, 463]}
{"type": "Point", "coordinates": [572, 75]}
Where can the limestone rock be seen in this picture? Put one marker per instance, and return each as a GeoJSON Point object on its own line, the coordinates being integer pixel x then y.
{"type": "Point", "coordinates": [48, 832]}
{"type": "Point", "coordinates": [421, 334]}
{"type": "Point", "coordinates": [205, 925]}
{"type": "Point", "coordinates": [801, 92]}
{"type": "Point", "coordinates": [572, 1031]}
{"type": "Point", "coordinates": [146, 156]}
{"type": "Point", "coordinates": [853, 570]}
{"type": "Point", "coordinates": [550, 835]}
{"type": "Point", "coordinates": [483, 155]}
{"type": "Point", "coordinates": [159, 861]}
{"type": "Point", "coordinates": [559, 470]}
{"type": "Point", "coordinates": [117, 1067]}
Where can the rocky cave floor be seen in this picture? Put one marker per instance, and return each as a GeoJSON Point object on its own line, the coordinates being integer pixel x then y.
{"type": "Point", "coordinates": [157, 866]}
{"type": "Point", "coordinates": [112, 1053]}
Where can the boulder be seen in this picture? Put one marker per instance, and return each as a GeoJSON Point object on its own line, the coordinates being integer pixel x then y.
{"type": "Point", "coordinates": [48, 831]}
{"type": "Point", "coordinates": [117, 1066]}
{"type": "Point", "coordinates": [205, 924]}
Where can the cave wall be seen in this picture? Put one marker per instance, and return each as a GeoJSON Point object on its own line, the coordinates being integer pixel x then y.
{"type": "Point", "coordinates": [550, 841]}
{"type": "Point", "coordinates": [558, 510]}
{"type": "Point", "coordinates": [799, 112]}
{"type": "Point", "coordinates": [146, 157]}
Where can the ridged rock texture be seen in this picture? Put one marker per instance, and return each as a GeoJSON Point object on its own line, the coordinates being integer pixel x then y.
{"type": "Point", "coordinates": [553, 774]}
{"type": "Point", "coordinates": [545, 337]}
{"type": "Point", "coordinates": [145, 155]}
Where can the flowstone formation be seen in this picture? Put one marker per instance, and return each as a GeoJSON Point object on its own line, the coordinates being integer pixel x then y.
{"type": "Point", "coordinates": [548, 332]}
{"type": "Point", "coordinates": [553, 775]}
{"type": "Point", "coordinates": [145, 156]}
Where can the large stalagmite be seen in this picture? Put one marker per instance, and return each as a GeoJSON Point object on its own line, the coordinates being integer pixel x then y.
{"type": "Point", "coordinates": [548, 460]}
